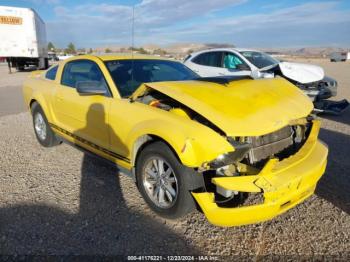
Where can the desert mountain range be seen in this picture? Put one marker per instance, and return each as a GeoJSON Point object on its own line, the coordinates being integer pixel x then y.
{"type": "Point", "coordinates": [185, 48]}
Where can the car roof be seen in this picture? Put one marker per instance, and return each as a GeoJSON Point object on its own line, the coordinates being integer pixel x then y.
{"type": "Point", "coordinates": [122, 56]}
{"type": "Point", "coordinates": [225, 49]}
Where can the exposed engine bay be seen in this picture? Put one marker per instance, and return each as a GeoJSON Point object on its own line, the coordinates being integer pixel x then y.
{"type": "Point", "coordinates": [162, 101]}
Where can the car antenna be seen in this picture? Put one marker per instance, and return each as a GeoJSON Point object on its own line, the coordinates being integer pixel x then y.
{"type": "Point", "coordinates": [132, 43]}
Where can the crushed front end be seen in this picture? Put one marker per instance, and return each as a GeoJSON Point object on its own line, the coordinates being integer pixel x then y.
{"type": "Point", "coordinates": [267, 175]}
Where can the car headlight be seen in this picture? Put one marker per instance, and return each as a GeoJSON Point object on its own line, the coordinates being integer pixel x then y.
{"type": "Point", "coordinates": [241, 149]}
{"type": "Point", "coordinates": [331, 82]}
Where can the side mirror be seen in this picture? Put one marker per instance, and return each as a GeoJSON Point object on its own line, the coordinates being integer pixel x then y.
{"type": "Point", "coordinates": [243, 67]}
{"type": "Point", "coordinates": [256, 74]}
{"type": "Point", "coordinates": [90, 88]}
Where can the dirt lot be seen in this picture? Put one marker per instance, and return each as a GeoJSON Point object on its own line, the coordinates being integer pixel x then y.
{"type": "Point", "coordinates": [60, 201]}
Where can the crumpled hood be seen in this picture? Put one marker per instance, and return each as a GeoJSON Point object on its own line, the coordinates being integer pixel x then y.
{"type": "Point", "coordinates": [240, 108]}
{"type": "Point", "coordinates": [302, 73]}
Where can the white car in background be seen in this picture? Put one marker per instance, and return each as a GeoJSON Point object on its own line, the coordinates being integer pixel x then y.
{"type": "Point", "coordinates": [231, 62]}
{"type": "Point", "coordinates": [62, 57]}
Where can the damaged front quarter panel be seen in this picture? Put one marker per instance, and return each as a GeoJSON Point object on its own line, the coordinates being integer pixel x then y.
{"type": "Point", "coordinates": [195, 143]}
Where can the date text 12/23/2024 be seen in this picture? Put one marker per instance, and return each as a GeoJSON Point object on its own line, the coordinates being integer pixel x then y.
{"type": "Point", "coordinates": [173, 258]}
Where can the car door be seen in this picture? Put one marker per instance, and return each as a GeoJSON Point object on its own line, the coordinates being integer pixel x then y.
{"type": "Point", "coordinates": [83, 117]}
{"type": "Point", "coordinates": [208, 64]}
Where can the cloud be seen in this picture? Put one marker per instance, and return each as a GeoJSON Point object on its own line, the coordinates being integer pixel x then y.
{"type": "Point", "coordinates": [164, 13]}
{"type": "Point", "coordinates": [43, 2]}
{"type": "Point", "coordinates": [61, 11]}
{"type": "Point", "coordinates": [164, 22]}
{"type": "Point", "coordinates": [92, 24]}
{"type": "Point", "coordinates": [306, 23]}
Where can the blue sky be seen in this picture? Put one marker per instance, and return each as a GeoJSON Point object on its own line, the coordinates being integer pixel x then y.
{"type": "Point", "coordinates": [244, 23]}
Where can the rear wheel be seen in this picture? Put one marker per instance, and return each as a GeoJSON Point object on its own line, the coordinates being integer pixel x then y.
{"type": "Point", "coordinates": [43, 132]}
{"type": "Point", "coordinates": [164, 182]}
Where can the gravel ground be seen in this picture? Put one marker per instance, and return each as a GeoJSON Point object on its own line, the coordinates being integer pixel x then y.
{"type": "Point", "coordinates": [60, 201]}
{"type": "Point", "coordinates": [11, 101]}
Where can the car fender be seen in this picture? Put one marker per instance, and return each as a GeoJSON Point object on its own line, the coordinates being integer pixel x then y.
{"type": "Point", "coordinates": [193, 143]}
{"type": "Point", "coordinates": [39, 94]}
{"type": "Point", "coordinates": [44, 104]}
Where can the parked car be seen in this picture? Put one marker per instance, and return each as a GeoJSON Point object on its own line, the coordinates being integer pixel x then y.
{"type": "Point", "coordinates": [184, 139]}
{"type": "Point", "coordinates": [246, 62]}
{"type": "Point", "coordinates": [64, 56]}
{"type": "Point", "coordinates": [339, 56]}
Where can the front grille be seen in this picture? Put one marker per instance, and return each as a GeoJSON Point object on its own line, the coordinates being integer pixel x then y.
{"type": "Point", "coordinates": [268, 145]}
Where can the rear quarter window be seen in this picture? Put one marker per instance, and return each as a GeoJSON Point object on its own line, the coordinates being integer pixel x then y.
{"type": "Point", "coordinates": [51, 73]}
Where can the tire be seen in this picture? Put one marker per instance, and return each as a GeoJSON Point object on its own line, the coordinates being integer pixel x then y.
{"type": "Point", "coordinates": [182, 201]}
{"type": "Point", "coordinates": [43, 132]}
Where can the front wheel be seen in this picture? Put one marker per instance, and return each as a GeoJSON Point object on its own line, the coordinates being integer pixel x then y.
{"type": "Point", "coordinates": [45, 136]}
{"type": "Point", "coordinates": [164, 182]}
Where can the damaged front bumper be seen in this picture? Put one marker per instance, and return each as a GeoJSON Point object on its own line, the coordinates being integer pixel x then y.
{"type": "Point", "coordinates": [284, 184]}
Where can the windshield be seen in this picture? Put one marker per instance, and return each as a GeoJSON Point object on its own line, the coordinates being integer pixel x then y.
{"type": "Point", "coordinates": [260, 60]}
{"type": "Point", "coordinates": [145, 71]}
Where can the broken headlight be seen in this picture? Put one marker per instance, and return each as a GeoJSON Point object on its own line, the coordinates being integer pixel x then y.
{"type": "Point", "coordinates": [241, 150]}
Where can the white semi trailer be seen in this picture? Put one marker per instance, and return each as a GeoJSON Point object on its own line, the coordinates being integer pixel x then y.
{"type": "Point", "coordinates": [22, 38]}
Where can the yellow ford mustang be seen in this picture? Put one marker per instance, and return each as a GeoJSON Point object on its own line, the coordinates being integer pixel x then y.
{"type": "Point", "coordinates": [244, 150]}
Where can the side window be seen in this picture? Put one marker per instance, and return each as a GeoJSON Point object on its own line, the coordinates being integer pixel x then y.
{"type": "Point", "coordinates": [209, 59]}
{"type": "Point", "coordinates": [51, 73]}
{"type": "Point", "coordinates": [82, 70]}
{"type": "Point", "coordinates": [232, 61]}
